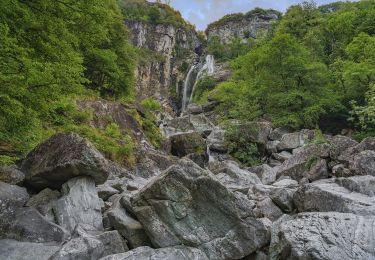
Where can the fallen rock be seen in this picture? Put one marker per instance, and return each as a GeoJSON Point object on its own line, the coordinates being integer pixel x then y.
{"type": "Point", "coordinates": [80, 204]}
{"type": "Point", "coordinates": [12, 249]}
{"type": "Point", "coordinates": [127, 226]}
{"type": "Point", "coordinates": [194, 109]}
{"type": "Point", "coordinates": [266, 208]}
{"type": "Point", "coordinates": [43, 202]}
{"type": "Point", "coordinates": [278, 133]}
{"type": "Point", "coordinates": [169, 253]}
{"type": "Point", "coordinates": [306, 163]}
{"type": "Point", "coordinates": [11, 197]}
{"type": "Point", "coordinates": [28, 225]}
{"type": "Point", "coordinates": [364, 163]}
{"type": "Point", "coordinates": [282, 156]}
{"type": "Point", "coordinates": [61, 158]}
{"type": "Point", "coordinates": [338, 144]}
{"type": "Point", "coordinates": [187, 143]}
{"type": "Point", "coordinates": [294, 140]}
{"type": "Point", "coordinates": [347, 195]}
{"type": "Point", "coordinates": [216, 141]}
{"type": "Point", "coordinates": [105, 191]}
{"type": "Point", "coordinates": [88, 244]}
{"type": "Point", "coordinates": [237, 179]}
{"type": "Point", "coordinates": [334, 236]}
{"type": "Point", "coordinates": [186, 205]}
{"type": "Point", "coordinates": [201, 124]}
{"type": "Point", "coordinates": [11, 174]}
{"type": "Point", "coordinates": [283, 198]}
{"type": "Point", "coordinates": [265, 173]}
{"type": "Point", "coordinates": [347, 156]}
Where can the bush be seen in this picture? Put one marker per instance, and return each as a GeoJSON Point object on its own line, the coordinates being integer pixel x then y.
{"type": "Point", "coordinates": [151, 104]}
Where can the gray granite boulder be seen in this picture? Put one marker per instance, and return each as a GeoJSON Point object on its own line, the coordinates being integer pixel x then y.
{"type": "Point", "coordinates": [187, 143]}
{"type": "Point", "coordinates": [331, 235]}
{"type": "Point", "coordinates": [294, 140]}
{"type": "Point", "coordinates": [43, 202]}
{"type": "Point", "coordinates": [169, 253]}
{"type": "Point", "coordinates": [16, 250]}
{"type": "Point", "coordinates": [363, 163]}
{"type": "Point", "coordinates": [349, 195]}
{"type": "Point", "coordinates": [61, 158]}
{"type": "Point", "coordinates": [11, 197]}
{"type": "Point", "coordinates": [11, 174]}
{"type": "Point", "coordinates": [79, 204]}
{"type": "Point", "coordinates": [187, 205]}
{"type": "Point", "coordinates": [28, 225]}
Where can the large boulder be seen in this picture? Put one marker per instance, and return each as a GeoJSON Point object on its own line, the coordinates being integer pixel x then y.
{"type": "Point", "coordinates": [11, 174]}
{"type": "Point", "coordinates": [61, 158]}
{"type": "Point", "coordinates": [347, 156]}
{"type": "Point", "coordinates": [364, 163]}
{"type": "Point", "coordinates": [79, 204]}
{"type": "Point", "coordinates": [201, 124]}
{"type": "Point", "coordinates": [334, 236]}
{"type": "Point", "coordinates": [294, 140]}
{"type": "Point", "coordinates": [169, 253]}
{"type": "Point", "coordinates": [43, 202]}
{"type": "Point", "coordinates": [11, 197]}
{"type": "Point", "coordinates": [187, 143]}
{"type": "Point", "coordinates": [12, 249]}
{"type": "Point", "coordinates": [266, 173]}
{"type": "Point", "coordinates": [187, 205]}
{"type": "Point", "coordinates": [28, 225]}
{"type": "Point", "coordinates": [127, 226]}
{"type": "Point", "coordinates": [348, 195]}
{"type": "Point", "coordinates": [237, 179]}
{"type": "Point", "coordinates": [88, 244]}
{"type": "Point", "coordinates": [338, 144]}
{"type": "Point", "coordinates": [216, 141]}
{"type": "Point", "coordinates": [306, 163]}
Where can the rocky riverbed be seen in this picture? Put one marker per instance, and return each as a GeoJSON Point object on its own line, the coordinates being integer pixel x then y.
{"type": "Point", "coordinates": [308, 200]}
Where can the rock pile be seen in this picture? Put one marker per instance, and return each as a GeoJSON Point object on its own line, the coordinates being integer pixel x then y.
{"type": "Point", "coordinates": [309, 200]}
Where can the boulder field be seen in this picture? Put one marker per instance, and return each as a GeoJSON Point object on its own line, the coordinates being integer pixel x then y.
{"type": "Point", "coordinates": [309, 200]}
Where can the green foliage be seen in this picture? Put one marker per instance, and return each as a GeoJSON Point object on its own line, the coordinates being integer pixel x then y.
{"type": "Point", "coordinates": [239, 145]}
{"type": "Point", "coordinates": [51, 53]}
{"type": "Point", "coordinates": [280, 80]}
{"type": "Point", "coordinates": [316, 68]}
{"type": "Point", "coordinates": [155, 13]}
{"type": "Point", "coordinates": [151, 104]}
{"type": "Point", "coordinates": [225, 52]}
{"type": "Point", "coordinates": [204, 85]}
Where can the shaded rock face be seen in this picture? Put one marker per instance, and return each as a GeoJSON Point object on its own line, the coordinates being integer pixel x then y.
{"type": "Point", "coordinates": [177, 48]}
{"type": "Point", "coordinates": [28, 225]}
{"type": "Point", "coordinates": [11, 197]}
{"type": "Point", "coordinates": [349, 195]}
{"type": "Point", "coordinates": [331, 235]}
{"type": "Point", "coordinates": [170, 253]}
{"type": "Point", "coordinates": [246, 27]}
{"type": "Point", "coordinates": [79, 204]}
{"type": "Point", "coordinates": [61, 158]}
{"type": "Point", "coordinates": [187, 143]}
{"type": "Point", "coordinates": [186, 205]}
{"type": "Point", "coordinates": [11, 174]}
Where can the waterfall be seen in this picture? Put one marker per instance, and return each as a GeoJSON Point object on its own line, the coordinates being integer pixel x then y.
{"type": "Point", "coordinates": [196, 72]}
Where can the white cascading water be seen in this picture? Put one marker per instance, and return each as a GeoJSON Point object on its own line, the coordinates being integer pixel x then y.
{"type": "Point", "coordinates": [196, 72]}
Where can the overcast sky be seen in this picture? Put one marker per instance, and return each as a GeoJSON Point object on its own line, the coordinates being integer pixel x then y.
{"type": "Point", "coordinates": [203, 12]}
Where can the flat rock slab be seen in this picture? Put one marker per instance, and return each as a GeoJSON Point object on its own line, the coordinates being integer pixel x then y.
{"type": "Point", "coordinates": [28, 225]}
{"type": "Point", "coordinates": [187, 205]}
{"type": "Point", "coordinates": [61, 158]}
{"type": "Point", "coordinates": [79, 204]}
{"type": "Point", "coordinates": [334, 236]}
{"type": "Point", "coordinates": [12, 249]}
{"type": "Point", "coordinates": [349, 195]}
{"type": "Point", "coordinates": [170, 253]}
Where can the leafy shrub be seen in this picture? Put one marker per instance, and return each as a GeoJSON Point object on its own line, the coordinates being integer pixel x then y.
{"type": "Point", "coordinates": [151, 104]}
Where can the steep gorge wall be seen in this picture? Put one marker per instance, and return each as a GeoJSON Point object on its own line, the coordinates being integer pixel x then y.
{"type": "Point", "coordinates": [243, 26]}
{"type": "Point", "coordinates": [173, 50]}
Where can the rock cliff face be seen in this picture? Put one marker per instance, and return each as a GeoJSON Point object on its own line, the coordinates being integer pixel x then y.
{"type": "Point", "coordinates": [243, 26]}
{"type": "Point", "coordinates": [172, 50]}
